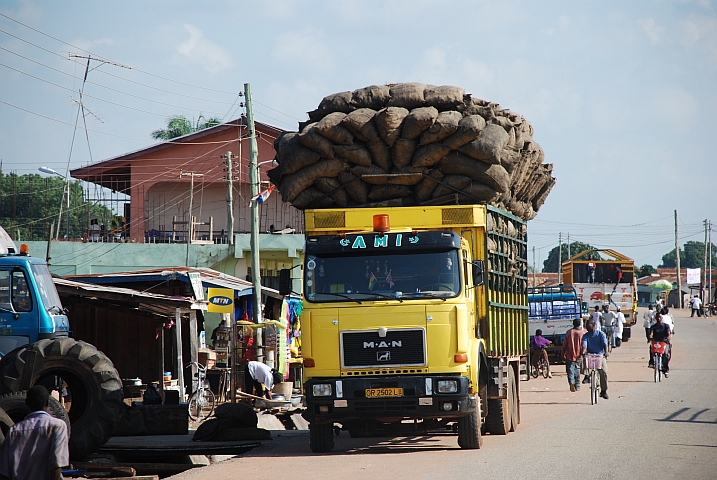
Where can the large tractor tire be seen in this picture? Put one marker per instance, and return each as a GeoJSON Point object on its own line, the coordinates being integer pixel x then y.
{"type": "Point", "coordinates": [15, 407]}
{"type": "Point", "coordinates": [5, 424]}
{"type": "Point", "coordinates": [91, 379]}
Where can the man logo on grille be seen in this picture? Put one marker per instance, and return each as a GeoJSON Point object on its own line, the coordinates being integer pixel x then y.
{"type": "Point", "coordinates": [383, 356]}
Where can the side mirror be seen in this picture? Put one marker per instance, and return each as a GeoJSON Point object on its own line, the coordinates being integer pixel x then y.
{"type": "Point", "coordinates": [284, 281]}
{"type": "Point", "coordinates": [477, 272]}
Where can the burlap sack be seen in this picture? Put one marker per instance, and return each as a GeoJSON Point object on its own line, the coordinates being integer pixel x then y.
{"type": "Point", "coordinates": [356, 189]}
{"type": "Point", "coordinates": [423, 189]}
{"type": "Point", "coordinates": [469, 129]}
{"type": "Point", "coordinates": [360, 123]}
{"type": "Point", "coordinates": [330, 127]}
{"type": "Point", "coordinates": [309, 198]}
{"type": "Point", "coordinates": [445, 97]}
{"type": "Point", "coordinates": [407, 95]}
{"type": "Point", "coordinates": [388, 122]}
{"type": "Point", "coordinates": [356, 153]}
{"type": "Point", "coordinates": [388, 192]}
{"type": "Point", "coordinates": [445, 125]}
{"type": "Point", "coordinates": [402, 152]}
{"type": "Point", "coordinates": [488, 145]}
{"type": "Point", "coordinates": [293, 156]}
{"type": "Point", "coordinates": [310, 138]}
{"type": "Point", "coordinates": [427, 155]}
{"type": "Point", "coordinates": [494, 176]}
{"type": "Point", "coordinates": [297, 182]}
{"type": "Point", "coordinates": [418, 121]}
{"type": "Point", "coordinates": [375, 97]}
{"type": "Point", "coordinates": [334, 188]}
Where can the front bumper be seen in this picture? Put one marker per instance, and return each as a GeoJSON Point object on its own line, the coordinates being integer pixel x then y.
{"type": "Point", "coordinates": [420, 399]}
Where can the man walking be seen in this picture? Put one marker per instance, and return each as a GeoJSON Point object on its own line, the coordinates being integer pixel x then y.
{"type": "Point", "coordinates": [649, 320]}
{"type": "Point", "coordinates": [37, 447]}
{"type": "Point", "coordinates": [619, 327]}
{"type": "Point", "coordinates": [571, 352]}
{"type": "Point", "coordinates": [595, 342]}
{"type": "Point", "coordinates": [695, 306]}
{"type": "Point", "coordinates": [608, 323]}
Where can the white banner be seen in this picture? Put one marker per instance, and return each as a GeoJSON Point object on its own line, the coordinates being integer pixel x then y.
{"type": "Point", "coordinates": [693, 276]}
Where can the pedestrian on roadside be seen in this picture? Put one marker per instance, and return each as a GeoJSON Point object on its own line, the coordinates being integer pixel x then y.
{"type": "Point", "coordinates": [695, 303]}
{"type": "Point", "coordinates": [37, 447]}
{"type": "Point", "coordinates": [571, 352]}
{"type": "Point", "coordinates": [608, 323]}
{"type": "Point", "coordinates": [619, 324]}
{"type": "Point", "coordinates": [649, 320]}
{"type": "Point", "coordinates": [595, 342]}
{"type": "Point", "coordinates": [597, 317]}
{"type": "Point", "coordinates": [259, 379]}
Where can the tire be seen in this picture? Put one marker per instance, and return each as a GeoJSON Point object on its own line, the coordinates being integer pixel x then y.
{"type": "Point", "coordinates": [469, 430]}
{"type": "Point", "coordinates": [498, 421]}
{"type": "Point", "coordinates": [5, 424]}
{"type": "Point", "coordinates": [14, 406]}
{"type": "Point", "coordinates": [534, 371]}
{"type": "Point", "coordinates": [593, 387]}
{"type": "Point", "coordinates": [198, 412]}
{"type": "Point", "coordinates": [655, 365]}
{"type": "Point", "coordinates": [93, 381]}
{"type": "Point", "coordinates": [544, 368]}
{"type": "Point", "coordinates": [321, 437]}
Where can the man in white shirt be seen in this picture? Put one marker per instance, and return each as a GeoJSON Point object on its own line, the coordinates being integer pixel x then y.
{"type": "Point", "coordinates": [619, 323]}
{"type": "Point", "coordinates": [597, 317]}
{"type": "Point", "coordinates": [668, 320]}
{"type": "Point", "coordinates": [257, 376]}
{"type": "Point", "coordinates": [649, 317]}
{"type": "Point", "coordinates": [608, 323]}
{"type": "Point", "coordinates": [695, 304]}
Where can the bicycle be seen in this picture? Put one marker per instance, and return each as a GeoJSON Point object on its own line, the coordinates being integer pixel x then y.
{"type": "Point", "coordinates": [540, 366]}
{"type": "Point", "coordinates": [593, 363]}
{"type": "Point", "coordinates": [202, 401]}
{"type": "Point", "coordinates": [657, 349]}
{"type": "Point", "coordinates": [610, 334]}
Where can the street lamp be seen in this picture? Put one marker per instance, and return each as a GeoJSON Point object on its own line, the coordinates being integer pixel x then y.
{"type": "Point", "coordinates": [59, 217]}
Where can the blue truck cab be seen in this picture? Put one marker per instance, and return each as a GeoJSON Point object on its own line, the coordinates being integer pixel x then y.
{"type": "Point", "coordinates": [30, 308]}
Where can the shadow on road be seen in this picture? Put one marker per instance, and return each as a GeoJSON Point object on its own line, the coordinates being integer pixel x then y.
{"type": "Point", "coordinates": [688, 415]}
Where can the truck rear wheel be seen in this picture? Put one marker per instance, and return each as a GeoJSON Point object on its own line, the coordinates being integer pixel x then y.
{"type": "Point", "coordinates": [499, 420]}
{"type": "Point", "coordinates": [321, 437]}
{"type": "Point", "coordinates": [469, 430]}
{"type": "Point", "coordinates": [91, 380]}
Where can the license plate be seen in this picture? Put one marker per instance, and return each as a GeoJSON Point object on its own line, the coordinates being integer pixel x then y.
{"type": "Point", "coordinates": [384, 392]}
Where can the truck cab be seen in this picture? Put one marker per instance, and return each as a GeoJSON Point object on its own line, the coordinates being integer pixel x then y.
{"type": "Point", "coordinates": [30, 308]}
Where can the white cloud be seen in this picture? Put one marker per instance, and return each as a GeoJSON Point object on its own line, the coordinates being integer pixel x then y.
{"type": "Point", "coordinates": [690, 33]}
{"type": "Point", "coordinates": [203, 52]}
{"type": "Point", "coordinates": [651, 29]}
{"type": "Point", "coordinates": [564, 21]}
{"type": "Point", "coordinates": [305, 48]}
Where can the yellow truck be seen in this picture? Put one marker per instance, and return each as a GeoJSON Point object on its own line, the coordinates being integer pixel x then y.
{"type": "Point", "coordinates": [415, 321]}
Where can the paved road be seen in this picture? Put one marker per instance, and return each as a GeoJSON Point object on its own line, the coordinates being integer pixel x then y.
{"type": "Point", "coordinates": [645, 430]}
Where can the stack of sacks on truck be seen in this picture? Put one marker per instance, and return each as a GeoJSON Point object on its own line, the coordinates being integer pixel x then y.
{"type": "Point", "coordinates": [412, 144]}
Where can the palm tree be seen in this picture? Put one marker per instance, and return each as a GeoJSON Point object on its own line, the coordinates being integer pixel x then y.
{"type": "Point", "coordinates": [179, 125]}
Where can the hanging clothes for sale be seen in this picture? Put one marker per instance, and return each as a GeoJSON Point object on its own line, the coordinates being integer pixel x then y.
{"type": "Point", "coordinates": [294, 307]}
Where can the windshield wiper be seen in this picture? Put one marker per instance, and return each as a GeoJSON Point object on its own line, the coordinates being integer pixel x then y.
{"type": "Point", "coordinates": [384, 295]}
{"type": "Point", "coordinates": [340, 295]}
{"type": "Point", "coordinates": [57, 309]}
{"type": "Point", "coordinates": [431, 295]}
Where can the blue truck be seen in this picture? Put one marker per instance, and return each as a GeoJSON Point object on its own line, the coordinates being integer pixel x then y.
{"type": "Point", "coordinates": [36, 348]}
{"type": "Point", "coordinates": [552, 310]}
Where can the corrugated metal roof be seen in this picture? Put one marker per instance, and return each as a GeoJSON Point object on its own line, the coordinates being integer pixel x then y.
{"type": "Point", "coordinates": [209, 277]}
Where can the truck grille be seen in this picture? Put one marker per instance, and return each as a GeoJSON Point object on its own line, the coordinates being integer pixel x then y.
{"type": "Point", "coordinates": [400, 347]}
{"type": "Point", "coordinates": [385, 405]}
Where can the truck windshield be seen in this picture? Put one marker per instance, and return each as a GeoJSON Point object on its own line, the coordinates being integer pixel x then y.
{"type": "Point", "coordinates": [48, 293]}
{"type": "Point", "coordinates": [394, 275]}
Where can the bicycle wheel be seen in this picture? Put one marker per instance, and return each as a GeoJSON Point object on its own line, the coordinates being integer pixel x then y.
{"type": "Point", "coordinates": [658, 367]}
{"type": "Point", "coordinates": [655, 365]}
{"type": "Point", "coordinates": [201, 405]}
{"type": "Point", "coordinates": [534, 371]}
{"type": "Point", "coordinates": [593, 387]}
{"type": "Point", "coordinates": [544, 368]}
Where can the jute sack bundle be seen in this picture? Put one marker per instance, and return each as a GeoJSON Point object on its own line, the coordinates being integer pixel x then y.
{"type": "Point", "coordinates": [356, 153]}
{"type": "Point", "coordinates": [418, 121]}
{"type": "Point", "coordinates": [388, 192]}
{"type": "Point", "coordinates": [309, 198]}
{"type": "Point", "coordinates": [445, 125]}
{"type": "Point", "coordinates": [355, 187]}
{"type": "Point", "coordinates": [360, 123]}
{"type": "Point", "coordinates": [488, 145]}
{"type": "Point", "coordinates": [338, 195]}
{"type": "Point", "coordinates": [374, 97]}
{"type": "Point", "coordinates": [297, 182]}
{"type": "Point", "coordinates": [312, 139]}
{"type": "Point", "coordinates": [407, 95]}
{"type": "Point", "coordinates": [424, 189]}
{"type": "Point", "coordinates": [388, 122]}
{"type": "Point", "coordinates": [469, 129]}
{"type": "Point", "coordinates": [493, 175]}
{"type": "Point", "coordinates": [294, 156]}
{"type": "Point", "coordinates": [445, 97]}
{"type": "Point", "coordinates": [330, 127]}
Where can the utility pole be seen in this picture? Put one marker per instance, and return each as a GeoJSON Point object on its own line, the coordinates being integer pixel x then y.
{"type": "Point", "coordinates": [254, 181]}
{"type": "Point", "coordinates": [709, 286]}
{"type": "Point", "coordinates": [703, 277]}
{"type": "Point", "coordinates": [190, 221]}
{"type": "Point", "coordinates": [680, 300]}
{"type": "Point", "coordinates": [230, 199]}
{"type": "Point", "coordinates": [560, 258]}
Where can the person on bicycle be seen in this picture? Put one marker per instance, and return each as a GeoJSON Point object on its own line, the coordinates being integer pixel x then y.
{"type": "Point", "coordinates": [571, 353]}
{"type": "Point", "coordinates": [661, 332]}
{"type": "Point", "coordinates": [595, 342]}
{"type": "Point", "coordinates": [538, 344]}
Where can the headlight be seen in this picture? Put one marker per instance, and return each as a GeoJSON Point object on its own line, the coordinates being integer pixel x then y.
{"type": "Point", "coordinates": [321, 390]}
{"type": "Point", "coordinates": [447, 386]}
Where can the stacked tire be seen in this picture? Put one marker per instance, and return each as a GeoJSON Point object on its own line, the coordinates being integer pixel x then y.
{"type": "Point", "coordinates": [95, 385]}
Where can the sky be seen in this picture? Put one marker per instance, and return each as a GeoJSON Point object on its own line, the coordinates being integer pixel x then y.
{"type": "Point", "coordinates": [622, 95]}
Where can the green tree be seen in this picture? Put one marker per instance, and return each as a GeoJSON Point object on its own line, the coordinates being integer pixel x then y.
{"type": "Point", "coordinates": [692, 256]}
{"type": "Point", "coordinates": [179, 125]}
{"type": "Point", "coordinates": [645, 270]}
{"type": "Point", "coordinates": [551, 263]}
{"type": "Point", "coordinates": [30, 203]}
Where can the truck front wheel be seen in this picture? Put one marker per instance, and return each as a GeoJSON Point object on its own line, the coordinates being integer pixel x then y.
{"type": "Point", "coordinates": [321, 437]}
{"type": "Point", "coordinates": [89, 377]}
{"type": "Point", "coordinates": [469, 430]}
